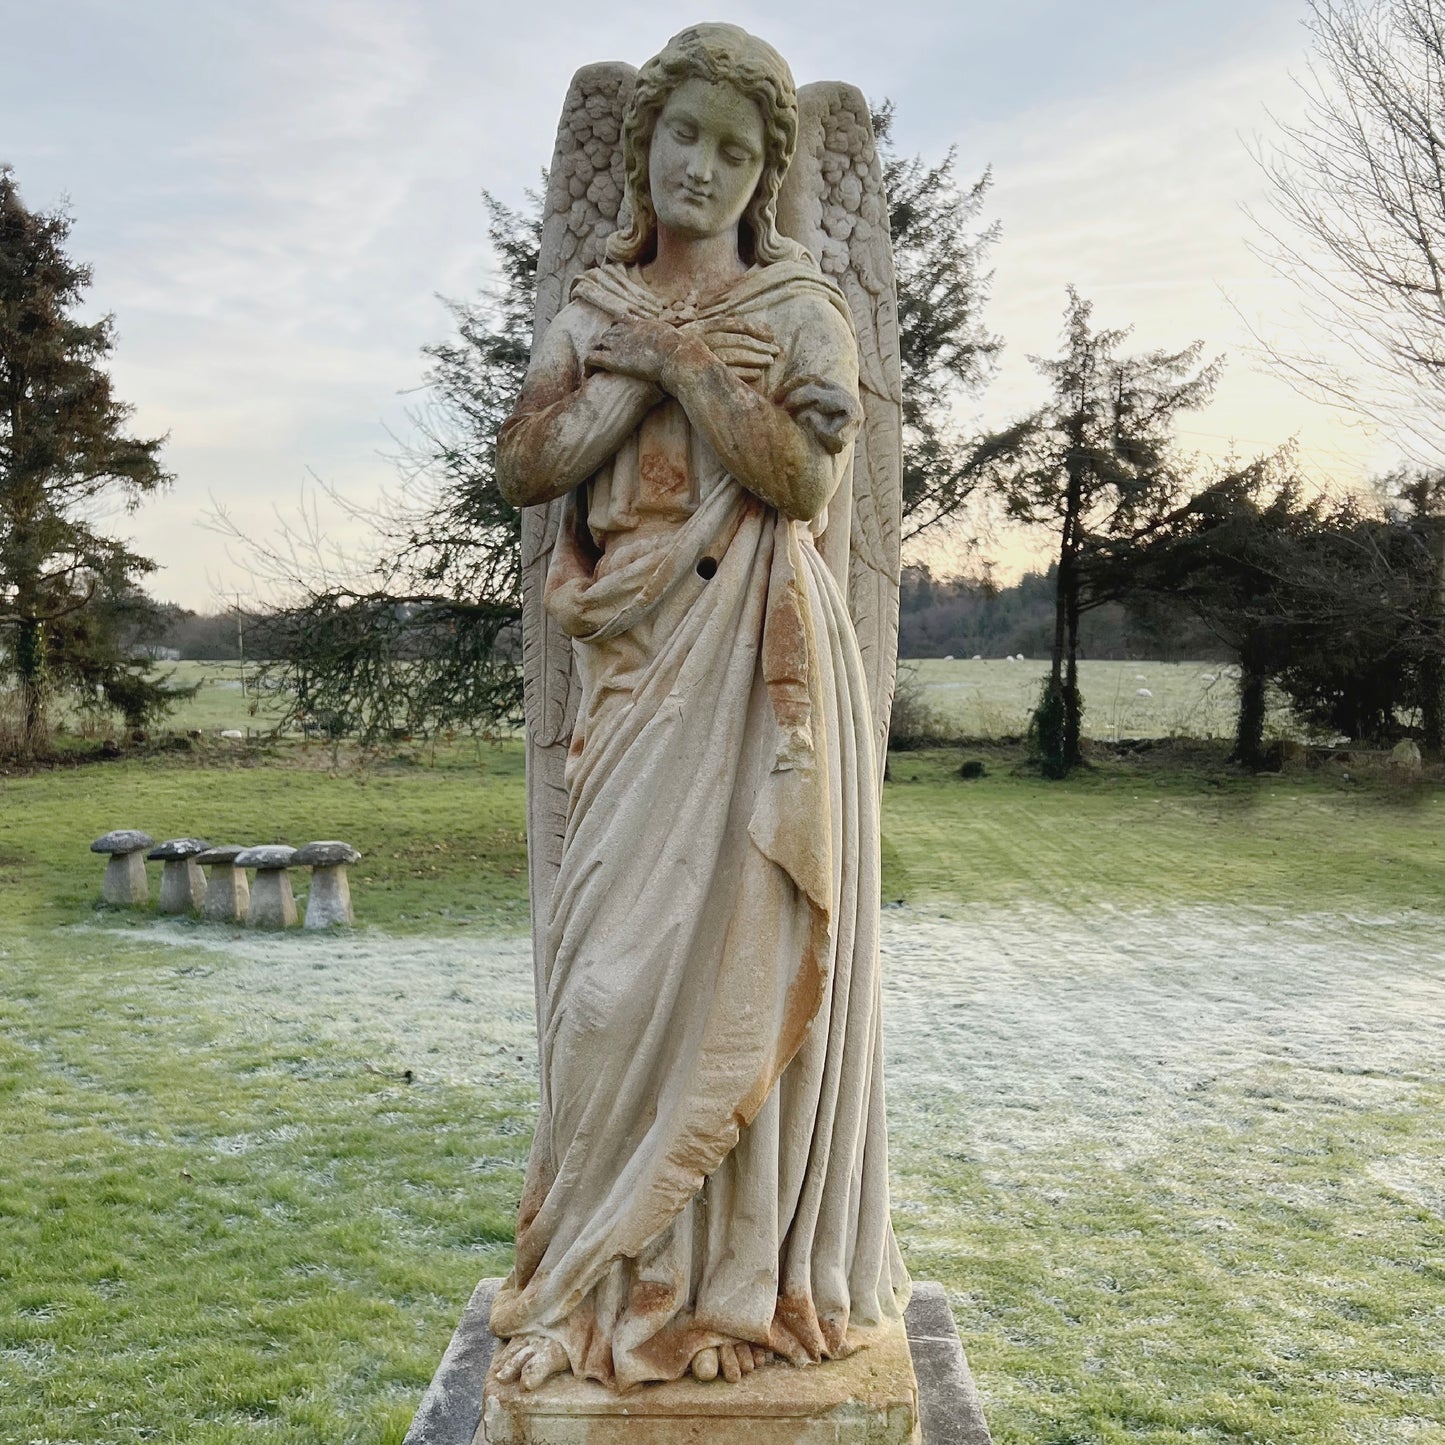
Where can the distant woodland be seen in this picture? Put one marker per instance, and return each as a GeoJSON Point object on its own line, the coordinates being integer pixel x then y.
{"type": "Point", "coordinates": [938, 617]}
{"type": "Point", "coordinates": [972, 616]}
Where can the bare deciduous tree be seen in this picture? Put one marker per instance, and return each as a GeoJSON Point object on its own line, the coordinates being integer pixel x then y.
{"type": "Point", "coordinates": [1358, 223]}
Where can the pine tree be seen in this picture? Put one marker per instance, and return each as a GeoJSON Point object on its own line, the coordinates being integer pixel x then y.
{"type": "Point", "coordinates": [63, 450]}
{"type": "Point", "coordinates": [425, 638]}
{"type": "Point", "coordinates": [428, 641]}
{"type": "Point", "coordinates": [1097, 466]}
{"type": "Point", "coordinates": [946, 353]}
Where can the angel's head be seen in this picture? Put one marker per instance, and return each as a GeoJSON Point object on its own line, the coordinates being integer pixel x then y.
{"type": "Point", "coordinates": [710, 131]}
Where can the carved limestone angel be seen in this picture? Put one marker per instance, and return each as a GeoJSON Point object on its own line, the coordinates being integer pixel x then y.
{"type": "Point", "coordinates": [706, 448]}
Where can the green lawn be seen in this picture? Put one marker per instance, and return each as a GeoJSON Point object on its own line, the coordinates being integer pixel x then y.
{"type": "Point", "coordinates": [222, 1226]}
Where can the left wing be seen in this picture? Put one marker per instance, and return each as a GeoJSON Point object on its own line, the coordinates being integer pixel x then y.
{"type": "Point", "coordinates": [834, 203]}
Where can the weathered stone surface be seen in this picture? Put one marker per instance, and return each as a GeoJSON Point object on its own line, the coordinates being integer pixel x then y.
{"type": "Point", "coordinates": [948, 1400]}
{"type": "Point", "coordinates": [329, 902]}
{"type": "Point", "coordinates": [450, 1412]}
{"type": "Point", "coordinates": [272, 904]}
{"type": "Point", "coordinates": [125, 883]}
{"type": "Point", "coordinates": [183, 886]}
{"type": "Point", "coordinates": [122, 840]}
{"type": "Point", "coordinates": [871, 1398]}
{"type": "Point", "coordinates": [174, 848]}
{"type": "Point", "coordinates": [325, 854]}
{"type": "Point", "coordinates": [228, 894]}
{"type": "Point", "coordinates": [265, 856]}
{"type": "Point", "coordinates": [703, 597]}
{"type": "Point", "coordinates": [947, 1403]}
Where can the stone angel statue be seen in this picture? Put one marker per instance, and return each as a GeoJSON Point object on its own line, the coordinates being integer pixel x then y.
{"type": "Point", "coordinates": [706, 449]}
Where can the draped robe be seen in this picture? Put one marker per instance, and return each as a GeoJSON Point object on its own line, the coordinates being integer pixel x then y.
{"type": "Point", "coordinates": [710, 1160]}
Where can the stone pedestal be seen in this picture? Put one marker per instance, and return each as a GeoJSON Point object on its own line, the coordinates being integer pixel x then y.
{"type": "Point", "coordinates": [228, 895]}
{"type": "Point", "coordinates": [328, 904]}
{"type": "Point", "coordinates": [125, 883]}
{"type": "Point", "coordinates": [183, 886]}
{"type": "Point", "coordinates": [272, 904]}
{"type": "Point", "coordinates": [910, 1388]}
{"type": "Point", "coordinates": [871, 1398]}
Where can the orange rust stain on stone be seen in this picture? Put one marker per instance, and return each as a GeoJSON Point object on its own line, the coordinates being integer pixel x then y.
{"type": "Point", "coordinates": [663, 479]}
{"type": "Point", "coordinates": [648, 1297]}
{"type": "Point", "coordinates": [795, 1334]}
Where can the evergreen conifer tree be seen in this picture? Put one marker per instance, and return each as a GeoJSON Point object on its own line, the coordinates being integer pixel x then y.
{"type": "Point", "coordinates": [63, 451]}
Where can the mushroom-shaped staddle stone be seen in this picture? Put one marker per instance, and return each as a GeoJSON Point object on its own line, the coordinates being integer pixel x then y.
{"type": "Point", "coordinates": [272, 904]}
{"type": "Point", "coordinates": [228, 895]}
{"type": "Point", "coordinates": [329, 901]}
{"type": "Point", "coordinates": [125, 883]}
{"type": "Point", "coordinates": [183, 885]}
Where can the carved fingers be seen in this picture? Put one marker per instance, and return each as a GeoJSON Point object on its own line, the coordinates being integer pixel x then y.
{"type": "Point", "coordinates": [646, 349]}
{"type": "Point", "coordinates": [635, 347]}
{"type": "Point", "coordinates": [746, 348]}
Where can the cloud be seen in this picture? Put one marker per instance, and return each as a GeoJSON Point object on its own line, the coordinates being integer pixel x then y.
{"type": "Point", "coordinates": [272, 193]}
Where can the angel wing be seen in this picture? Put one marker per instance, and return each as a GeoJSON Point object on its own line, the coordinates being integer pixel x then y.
{"type": "Point", "coordinates": [834, 203]}
{"type": "Point", "coordinates": [584, 197]}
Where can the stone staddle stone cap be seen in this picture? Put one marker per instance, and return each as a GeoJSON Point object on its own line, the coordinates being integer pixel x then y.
{"type": "Point", "coordinates": [326, 855]}
{"type": "Point", "coordinates": [221, 853]}
{"type": "Point", "coordinates": [122, 840]}
{"type": "Point", "coordinates": [268, 855]}
{"type": "Point", "coordinates": [177, 848]}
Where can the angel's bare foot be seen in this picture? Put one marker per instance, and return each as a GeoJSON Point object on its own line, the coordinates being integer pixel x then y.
{"type": "Point", "coordinates": [732, 1361]}
{"type": "Point", "coordinates": [531, 1359]}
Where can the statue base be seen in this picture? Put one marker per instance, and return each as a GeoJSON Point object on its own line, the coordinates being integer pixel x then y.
{"type": "Point", "coordinates": [871, 1398]}
{"type": "Point", "coordinates": [910, 1387]}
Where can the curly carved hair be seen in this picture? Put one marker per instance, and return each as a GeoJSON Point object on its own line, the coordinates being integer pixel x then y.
{"type": "Point", "coordinates": [726, 54]}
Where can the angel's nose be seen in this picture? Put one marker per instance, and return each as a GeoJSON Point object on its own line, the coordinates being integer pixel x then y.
{"type": "Point", "coordinates": [700, 163]}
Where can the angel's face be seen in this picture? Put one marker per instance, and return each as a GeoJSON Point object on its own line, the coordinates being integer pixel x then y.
{"type": "Point", "coordinates": [706, 158]}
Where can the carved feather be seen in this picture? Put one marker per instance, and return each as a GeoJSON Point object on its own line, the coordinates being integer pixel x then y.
{"type": "Point", "coordinates": [834, 203]}
{"type": "Point", "coordinates": [581, 209]}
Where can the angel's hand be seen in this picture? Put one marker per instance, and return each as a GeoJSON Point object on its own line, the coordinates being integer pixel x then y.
{"type": "Point", "coordinates": [746, 348]}
{"type": "Point", "coordinates": [634, 347]}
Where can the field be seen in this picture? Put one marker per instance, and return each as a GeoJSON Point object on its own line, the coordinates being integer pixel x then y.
{"type": "Point", "coordinates": [993, 697]}
{"type": "Point", "coordinates": [226, 698]}
{"type": "Point", "coordinates": [1165, 1092]}
{"type": "Point", "coordinates": [986, 698]}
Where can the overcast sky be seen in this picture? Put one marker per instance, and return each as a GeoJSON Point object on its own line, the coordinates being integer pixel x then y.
{"type": "Point", "coordinates": [273, 193]}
